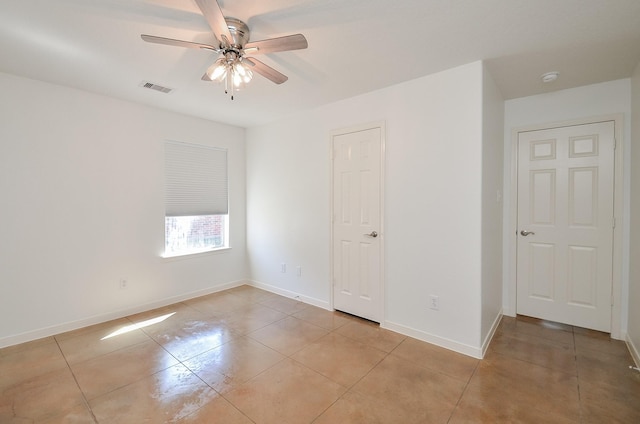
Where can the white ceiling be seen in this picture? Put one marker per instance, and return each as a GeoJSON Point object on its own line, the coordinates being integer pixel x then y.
{"type": "Point", "coordinates": [355, 46]}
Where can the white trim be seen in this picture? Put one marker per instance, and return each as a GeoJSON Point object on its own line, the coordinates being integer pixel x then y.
{"type": "Point", "coordinates": [492, 332]}
{"type": "Point", "coordinates": [618, 207]}
{"type": "Point", "coordinates": [633, 349]}
{"type": "Point", "coordinates": [382, 126]}
{"type": "Point", "coordinates": [433, 339]}
{"type": "Point", "coordinates": [191, 255]}
{"type": "Point", "coordinates": [398, 328]}
{"type": "Point", "coordinates": [292, 295]}
{"type": "Point", "coordinates": [509, 313]}
{"type": "Point", "coordinates": [121, 313]}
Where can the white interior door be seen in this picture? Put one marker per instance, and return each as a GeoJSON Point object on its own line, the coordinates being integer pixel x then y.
{"type": "Point", "coordinates": [565, 224]}
{"type": "Point", "coordinates": [356, 221]}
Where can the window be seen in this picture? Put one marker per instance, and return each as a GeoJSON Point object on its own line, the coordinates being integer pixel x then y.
{"type": "Point", "coordinates": [193, 234]}
{"type": "Point", "coordinates": [196, 199]}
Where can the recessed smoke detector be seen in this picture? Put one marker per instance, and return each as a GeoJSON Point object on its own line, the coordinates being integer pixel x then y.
{"type": "Point", "coordinates": [549, 76]}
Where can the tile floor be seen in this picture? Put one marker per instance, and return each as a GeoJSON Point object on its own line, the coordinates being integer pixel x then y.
{"type": "Point", "coordinates": [248, 356]}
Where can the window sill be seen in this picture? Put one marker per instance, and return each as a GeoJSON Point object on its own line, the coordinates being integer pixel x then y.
{"type": "Point", "coordinates": [195, 254]}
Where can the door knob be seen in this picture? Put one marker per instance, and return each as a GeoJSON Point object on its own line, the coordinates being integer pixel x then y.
{"type": "Point", "coordinates": [372, 234]}
{"type": "Point", "coordinates": [526, 233]}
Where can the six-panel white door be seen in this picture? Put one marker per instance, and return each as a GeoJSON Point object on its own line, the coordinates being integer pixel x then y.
{"type": "Point", "coordinates": [356, 219]}
{"type": "Point", "coordinates": [565, 224]}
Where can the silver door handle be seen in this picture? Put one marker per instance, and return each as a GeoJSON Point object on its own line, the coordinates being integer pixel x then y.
{"type": "Point", "coordinates": [526, 233]}
{"type": "Point", "coordinates": [372, 234]}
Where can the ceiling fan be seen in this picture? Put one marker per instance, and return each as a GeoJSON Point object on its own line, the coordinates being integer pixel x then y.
{"type": "Point", "coordinates": [234, 67]}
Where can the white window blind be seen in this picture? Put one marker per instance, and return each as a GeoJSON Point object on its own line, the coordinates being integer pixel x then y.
{"type": "Point", "coordinates": [195, 180]}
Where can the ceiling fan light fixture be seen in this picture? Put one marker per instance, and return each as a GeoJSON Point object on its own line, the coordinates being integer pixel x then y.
{"type": "Point", "coordinates": [241, 70]}
{"type": "Point", "coordinates": [218, 71]}
{"type": "Point", "coordinates": [237, 79]}
{"type": "Point", "coordinates": [231, 71]}
{"type": "Point", "coordinates": [232, 44]}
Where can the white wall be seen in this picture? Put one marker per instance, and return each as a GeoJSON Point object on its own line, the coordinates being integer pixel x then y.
{"type": "Point", "coordinates": [82, 201]}
{"type": "Point", "coordinates": [634, 272]}
{"type": "Point", "coordinates": [596, 100]}
{"type": "Point", "coordinates": [492, 181]}
{"type": "Point", "coordinates": [433, 189]}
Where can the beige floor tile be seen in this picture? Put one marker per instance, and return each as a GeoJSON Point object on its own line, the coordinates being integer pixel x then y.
{"type": "Point", "coordinates": [437, 358]}
{"type": "Point", "coordinates": [425, 395]}
{"type": "Point", "coordinates": [340, 369]}
{"type": "Point", "coordinates": [340, 358]}
{"type": "Point", "coordinates": [120, 368]}
{"type": "Point", "coordinates": [284, 304]}
{"type": "Point", "coordinates": [323, 318]}
{"type": "Point", "coordinates": [195, 337]}
{"type": "Point", "coordinates": [161, 320]}
{"type": "Point", "coordinates": [251, 318]}
{"type": "Point", "coordinates": [507, 411]}
{"type": "Point", "coordinates": [557, 356]}
{"type": "Point", "coordinates": [233, 363]}
{"type": "Point", "coordinates": [544, 332]}
{"type": "Point", "coordinates": [81, 414]}
{"type": "Point", "coordinates": [18, 365]}
{"type": "Point", "coordinates": [85, 345]}
{"type": "Point", "coordinates": [219, 410]}
{"type": "Point", "coordinates": [592, 333]}
{"type": "Point", "coordinates": [288, 393]}
{"type": "Point", "coordinates": [191, 335]}
{"type": "Point", "coordinates": [252, 294]}
{"type": "Point", "coordinates": [289, 335]}
{"type": "Point", "coordinates": [355, 408]}
{"type": "Point", "coordinates": [600, 344]}
{"type": "Point", "coordinates": [501, 380]}
{"type": "Point", "coordinates": [9, 350]}
{"type": "Point", "coordinates": [604, 369]}
{"type": "Point", "coordinates": [536, 327]}
{"type": "Point", "coordinates": [105, 328]}
{"type": "Point", "coordinates": [603, 403]}
{"type": "Point", "coordinates": [41, 397]}
{"type": "Point", "coordinates": [218, 304]}
{"type": "Point", "coordinates": [371, 334]}
{"type": "Point", "coordinates": [167, 396]}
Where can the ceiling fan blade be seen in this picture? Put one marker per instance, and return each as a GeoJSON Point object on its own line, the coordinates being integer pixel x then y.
{"type": "Point", "coordinates": [215, 18]}
{"type": "Point", "coordinates": [177, 43]}
{"type": "Point", "coordinates": [265, 70]}
{"type": "Point", "coordinates": [279, 44]}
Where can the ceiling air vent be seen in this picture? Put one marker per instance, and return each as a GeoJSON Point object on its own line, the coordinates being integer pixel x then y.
{"type": "Point", "coordinates": [156, 87]}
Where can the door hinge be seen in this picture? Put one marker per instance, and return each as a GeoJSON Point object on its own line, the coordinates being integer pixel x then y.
{"type": "Point", "coordinates": [613, 223]}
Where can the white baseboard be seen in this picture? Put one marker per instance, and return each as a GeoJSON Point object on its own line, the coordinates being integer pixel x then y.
{"type": "Point", "coordinates": [98, 319]}
{"type": "Point", "coordinates": [290, 294]}
{"type": "Point", "coordinates": [492, 332]}
{"type": "Point", "coordinates": [475, 352]}
{"type": "Point", "coordinates": [633, 349]}
{"type": "Point", "coordinates": [398, 328]}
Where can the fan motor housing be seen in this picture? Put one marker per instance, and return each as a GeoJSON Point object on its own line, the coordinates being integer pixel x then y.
{"type": "Point", "coordinates": [239, 32]}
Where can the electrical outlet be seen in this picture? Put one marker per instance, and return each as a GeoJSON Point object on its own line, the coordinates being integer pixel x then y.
{"type": "Point", "coordinates": [123, 283]}
{"type": "Point", "coordinates": [299, 271]}
{"type": "Point", "coordinates": [434, 302]}
{"type": "Point", "coordinates": [283, 268]}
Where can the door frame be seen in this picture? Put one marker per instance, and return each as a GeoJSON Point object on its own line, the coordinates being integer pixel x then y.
{"type": "Point", "coordinates": [381, 232]}
{"type": "Point", "coordinates": [618, 205]}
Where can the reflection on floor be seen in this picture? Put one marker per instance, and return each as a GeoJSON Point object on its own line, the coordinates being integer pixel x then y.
{"type": "Point", "coordinates": [248, 356]}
